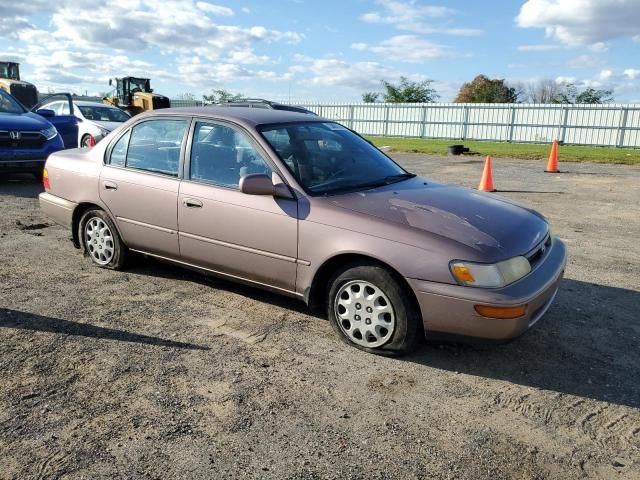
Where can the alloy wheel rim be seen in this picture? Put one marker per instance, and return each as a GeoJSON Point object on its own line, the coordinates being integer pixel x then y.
{"type": "Point", "coordinates": [99, 241]}
{"type": "Point", "coordinates": [365, 313]}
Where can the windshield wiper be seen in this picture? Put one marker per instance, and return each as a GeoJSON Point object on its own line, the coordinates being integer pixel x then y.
{"type": "Point", "coordinates": [399, 177]}
{"type": "Point", "coordinates": [388, 180]}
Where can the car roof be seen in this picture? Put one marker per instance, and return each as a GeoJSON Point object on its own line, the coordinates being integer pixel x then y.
{"type": "Point", "coordinates": [247, 116]}
{"type": "Point", "coordinates": [85, 103]}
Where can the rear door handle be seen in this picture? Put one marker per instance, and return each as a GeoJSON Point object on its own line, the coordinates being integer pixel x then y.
{"type": "Point", "coordinates": [110, 185]}
{"type": "Point", "coordinates": [191, 203]}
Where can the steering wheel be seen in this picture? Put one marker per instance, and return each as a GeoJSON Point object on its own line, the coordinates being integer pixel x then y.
{"type": "Point", "coordinates": [335, 173]}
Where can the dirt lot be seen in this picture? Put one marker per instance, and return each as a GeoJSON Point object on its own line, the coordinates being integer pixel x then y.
{"type": "Point", "coordinates": [162, 373]}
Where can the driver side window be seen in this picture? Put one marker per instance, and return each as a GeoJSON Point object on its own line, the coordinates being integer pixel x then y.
{"type": "Point", "coordinates": [222, 155]}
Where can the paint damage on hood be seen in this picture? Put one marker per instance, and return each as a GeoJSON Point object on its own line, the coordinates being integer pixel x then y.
{"type": "Point", "coordinates": [484, 222]}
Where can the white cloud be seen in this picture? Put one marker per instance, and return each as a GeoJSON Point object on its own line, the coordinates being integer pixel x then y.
{"type": "Point", "coordinates": [196, 72]}
{"type": "Point", "coordinates": [544, 47]}
{"type": "Point", "coordinates": [582, 22]}
{"type": "Point", "coordinates": [587, 61]}
{"type": "Point", "coordinates": [332, 72]}
{"type": "Point", "coordinates": [405, 48]}
{"type": "Point", "coordinates": [562, 79]}
{"type": "Point", "coordinates": [413, 17]}
{"type": "Point", "coordinates": [605, 75]}
{"type": "Point", "coordinates": [632, 73]}
{"type": "Point", "coordinates": [215, 9]}
{"type": "Point", "coordinates": [62, 51]}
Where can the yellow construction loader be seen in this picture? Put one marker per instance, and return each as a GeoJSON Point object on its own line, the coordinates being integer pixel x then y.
{"type": "Point", "coordinates": [10, 82]}
{"type": "Point", "coordinates": [135, 95]}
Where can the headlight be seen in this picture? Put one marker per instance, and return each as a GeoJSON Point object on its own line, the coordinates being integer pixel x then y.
{"type": "Point", "coordinates": [491, 275]}
{"type": "Point", "coordinates": [49, 133]}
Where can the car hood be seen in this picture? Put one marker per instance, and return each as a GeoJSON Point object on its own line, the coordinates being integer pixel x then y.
{"type": "Point", "coordinates": [23, 121]}
{"type": "Point", "coordinates": [110, 126]}
{"type": "Point", "coordinates": [495, 227]}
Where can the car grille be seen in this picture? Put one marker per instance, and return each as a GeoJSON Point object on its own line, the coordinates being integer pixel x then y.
{"type": "Point", "coordinates": [535, 255]}
{"type": "Point", "coordinates": [27, 140]}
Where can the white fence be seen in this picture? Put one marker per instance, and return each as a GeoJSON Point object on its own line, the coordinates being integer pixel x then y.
{"type": "Point", "coordinates": [615, 125]}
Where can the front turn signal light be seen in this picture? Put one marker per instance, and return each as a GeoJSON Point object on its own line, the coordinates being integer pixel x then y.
{"type": "Point", "coordinates": [501, 312]}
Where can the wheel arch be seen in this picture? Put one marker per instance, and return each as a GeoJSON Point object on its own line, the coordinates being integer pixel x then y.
{"type": "Point", "coordinates": [77, 215]}
{"type": "Point", "coordinates": [316, 294]}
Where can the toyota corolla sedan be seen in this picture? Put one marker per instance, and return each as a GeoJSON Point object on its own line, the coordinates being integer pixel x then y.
{"type": "Point", "coordinates": [303, 206]}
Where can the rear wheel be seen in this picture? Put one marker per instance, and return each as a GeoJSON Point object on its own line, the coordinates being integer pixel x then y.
{"type": "Point", "coordinates": [100, 240]}
{"type": "Point", "coordinates": [371, 310]}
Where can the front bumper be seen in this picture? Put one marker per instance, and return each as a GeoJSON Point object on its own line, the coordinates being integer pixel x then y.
{"type": "Point", "coordinates": [57, 208]}
{"type": "Point", "coordinates": [28, 159]}
{"type": "Point", "coordinates": [449, 309]}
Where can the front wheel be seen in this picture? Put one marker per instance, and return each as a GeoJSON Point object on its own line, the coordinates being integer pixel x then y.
{"type": "Point", "coordinates": [371, 310]}
{"type": "Point", "coordinates": [85, 142]}
{"type": "Point", "coordinates": [100, 240]}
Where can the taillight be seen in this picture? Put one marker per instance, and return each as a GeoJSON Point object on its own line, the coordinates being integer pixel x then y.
{"type": "Point", "coordinates": [45, 179]}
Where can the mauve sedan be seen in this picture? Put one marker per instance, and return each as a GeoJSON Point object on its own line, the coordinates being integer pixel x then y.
{"type": "Point", "coordinates": [305, 207]}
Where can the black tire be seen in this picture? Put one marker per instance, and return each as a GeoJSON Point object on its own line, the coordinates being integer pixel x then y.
{"type": "Point", "coordinates": [407, 333]}
{"type": "Point", "coordinates": [118, 258]}
{"type": "Point", "coordinates": [84, 141]}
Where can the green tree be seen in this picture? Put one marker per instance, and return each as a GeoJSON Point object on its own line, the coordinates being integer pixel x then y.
{"type": "Point", "coordinates": [222, 96]}
{"type": "Point", "coordinates": [370, 97]}
{"type": "Point", "coordinates": [483, 89]}
{"type": "Point", "coordinates": [591, 95]}
{"type": "Point", "coordinates": [409, 92]}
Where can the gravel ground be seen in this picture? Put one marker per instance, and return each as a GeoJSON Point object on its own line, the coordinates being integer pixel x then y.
{"type": "Point", "coordinates": [159, 372]}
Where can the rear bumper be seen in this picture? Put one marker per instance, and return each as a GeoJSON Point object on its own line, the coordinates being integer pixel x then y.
{"type": "Point", "coordinates": [57, 208]}
{"type": "Point", "coordinates": [449, 309]}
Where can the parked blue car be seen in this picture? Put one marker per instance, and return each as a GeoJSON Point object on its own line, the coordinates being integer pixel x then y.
{"type": "Point", "coordinates": [27, 138]}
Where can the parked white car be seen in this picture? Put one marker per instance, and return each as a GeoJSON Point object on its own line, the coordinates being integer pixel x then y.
{"type": "Point", "coordinates": [96, 120]}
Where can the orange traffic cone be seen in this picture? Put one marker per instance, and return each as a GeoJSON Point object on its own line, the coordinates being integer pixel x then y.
{"type": "Point", "coordinates": [552, 165]}
{"type": "Point", "coordinates": [486, 182]}
{"type": "Point", "coordinates": [92, 141]}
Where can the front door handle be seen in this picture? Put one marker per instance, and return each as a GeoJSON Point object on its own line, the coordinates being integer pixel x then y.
{"type": "Point", "coordinates": [110, 185]}
{"type": "Point", "coordinates": [191, 203]}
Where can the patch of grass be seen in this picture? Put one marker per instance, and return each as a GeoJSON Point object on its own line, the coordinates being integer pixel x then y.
{"type": "Point", "coordinates": [527, 151]}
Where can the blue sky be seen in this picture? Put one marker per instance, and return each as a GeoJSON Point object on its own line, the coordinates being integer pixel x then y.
{"type": "Point", "coordinates": [322, 50]}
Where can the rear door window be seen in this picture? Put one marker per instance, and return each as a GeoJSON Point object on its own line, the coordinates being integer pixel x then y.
{"type": "Point", "coordinates": [155, 146]}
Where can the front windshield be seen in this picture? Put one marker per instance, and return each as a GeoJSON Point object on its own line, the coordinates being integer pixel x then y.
{"type": "Point", "coordinates": [326, 157]}
{"type": "Point", "coordinates": [139, 84]}
{"type": "Point", "coordinates": [103, 114]}
{"type": "Point", "coordinates": [8, 104]}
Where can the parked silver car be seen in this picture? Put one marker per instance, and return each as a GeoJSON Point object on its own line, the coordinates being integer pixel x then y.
{"type": "Point", "coordinates": [96, 120]}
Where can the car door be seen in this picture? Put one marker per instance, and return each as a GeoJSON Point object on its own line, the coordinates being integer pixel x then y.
{"type": "Point", "coordinates": [139, 184]}
{"type": "Point", "coordinates": [64, 120]}
{"type": "Point", "coordinates": [247, 236]}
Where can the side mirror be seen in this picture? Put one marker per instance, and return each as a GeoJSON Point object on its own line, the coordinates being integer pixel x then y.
{"type": "Point", "coordinates": [45, 112]}
{"type": "Point", "coordinates": [261, 184]}
{"type": "Point", "coordinates": [257, 184]}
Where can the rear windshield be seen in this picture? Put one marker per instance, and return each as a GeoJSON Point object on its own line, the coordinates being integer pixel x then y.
{"type": "Point", "coordinates": [103, 114]}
